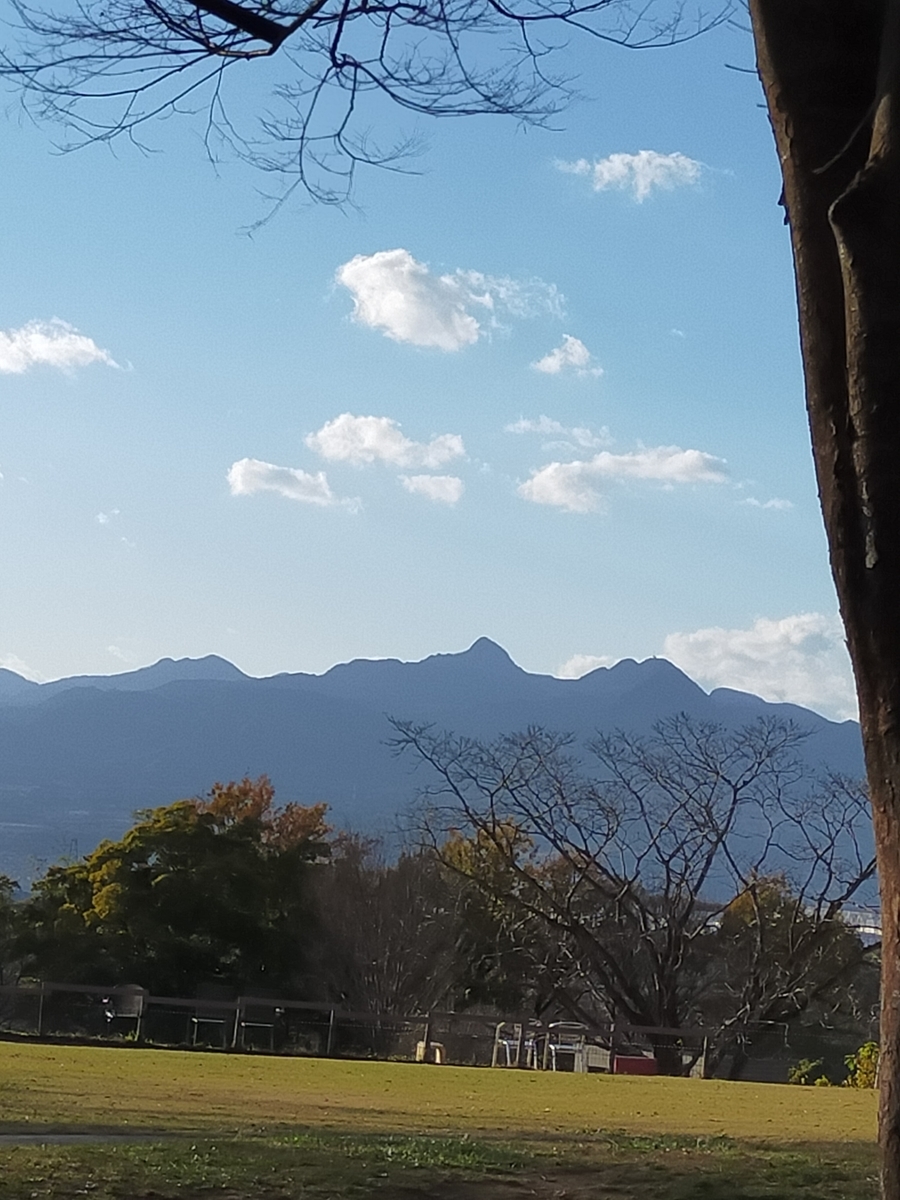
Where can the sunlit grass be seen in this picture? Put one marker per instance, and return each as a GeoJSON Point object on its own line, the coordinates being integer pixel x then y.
{"type": "Point", "coordinates": [260, 1128]}
{"type": "Point", "coordinates": [170, 1090]}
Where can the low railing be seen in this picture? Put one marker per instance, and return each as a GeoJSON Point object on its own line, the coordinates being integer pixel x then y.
{"type": "Point", "coordinates": [130, 1014]}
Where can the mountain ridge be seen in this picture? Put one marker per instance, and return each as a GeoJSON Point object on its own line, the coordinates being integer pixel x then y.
{"type": "Point", "coordinates": [78, 756]}
{"type": "Point", "coordinates": [164, 670]}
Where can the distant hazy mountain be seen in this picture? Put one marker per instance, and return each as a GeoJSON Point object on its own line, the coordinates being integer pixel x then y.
{"type": "Point", "coordinates": [13, 687]}
{"type": "Point", "coordinates": [79, 755]}
{"type": "Point", "coordinates": [16, 690]}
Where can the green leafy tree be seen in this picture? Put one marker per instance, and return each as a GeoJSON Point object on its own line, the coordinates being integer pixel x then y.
{"type": "Point", "coordinates": [501, 948]}
{"type": "Point", "coordinates": [215, 888]}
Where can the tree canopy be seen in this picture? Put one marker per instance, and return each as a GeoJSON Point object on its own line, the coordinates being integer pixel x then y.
{"type": "Point", "coordinates": [696, 879]}
{"type": "Point", "coordinates": [213, 888]}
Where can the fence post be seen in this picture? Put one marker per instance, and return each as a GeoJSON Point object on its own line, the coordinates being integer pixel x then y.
{"type": "Point", "coordinates": [520, 1042]}
{"type": "Point", "coordinates": [330, 1040]}
{"type": "Point", "coordinates": [139, 1028]}
{"type": "Point", "coordinates": [495, 1053]}
{"type": "Point", "coordinates": [40, 1020]}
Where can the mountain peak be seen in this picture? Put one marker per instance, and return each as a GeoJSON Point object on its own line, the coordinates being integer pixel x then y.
{"type": "Point", "coordinates": [209, 666]}
{"type": "Point", "coordinates": [483, 657]}
{"type": "Point", "coordinates": [485, 651]}
{"type": "Point", "coordinates": [656, 676]}
{"type": "Point", "coordinates": [75, 768]}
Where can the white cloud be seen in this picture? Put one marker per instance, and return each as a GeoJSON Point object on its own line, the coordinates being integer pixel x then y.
{"type": "Point", "coordinates": [250, 475]}
{"type": "Point", "coordinates": [444, 489]}
{"type": "Point", "coordinates": [774, 504]}
{"type": "Point", "coordinates": [395, 293]}
{"type": "Point", "coordinates": [103, 518]}
{"type": "Point", "coordinates": [12, 662]}
{"type": "Point", "coordinates": [516, 297]}
{"type": "Point", "coordinates": [48, 343]}
{"type": "Point", "coordinates": [360, 440]}
{"type": "Point", "coordinates": [638, 173]}
{"type": "Point", "coordinates": [572, 485]}
{"type": "Point", "coordinates": [583, 664]}
{"type": "Point", "coordinates": [668, 464]}
{"type": "Point", "coordinates": [580, 435]}
{"type": "Point", "coordinates": [801, 659]}
{"type": "Point", "coordinates": [563, 485]}
{"type": "Point", "coordinates": [121, 655]}
{"type": "Point", "coordinates": [572, 355]}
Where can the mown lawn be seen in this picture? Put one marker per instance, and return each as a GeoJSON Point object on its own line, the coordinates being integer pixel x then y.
{"type": "Point", "coordinates": [256, 1127]}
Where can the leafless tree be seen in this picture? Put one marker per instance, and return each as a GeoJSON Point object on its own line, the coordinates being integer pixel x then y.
{"type": "Point", "coordinates": [390, 929]}
{"type": "Point", "coordinates": [636, 869]}
{"type": "Point", "coordinates": [403, 934]}
{"type": "Point", "coordinates": [107, 67]}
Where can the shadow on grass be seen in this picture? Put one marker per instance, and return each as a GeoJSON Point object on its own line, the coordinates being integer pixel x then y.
{"type": "Point", "coordinates": [337, 1166]}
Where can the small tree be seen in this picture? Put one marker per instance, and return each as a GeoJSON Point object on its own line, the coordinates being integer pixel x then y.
{"type": "Point", "coordinates": [862, 1067]}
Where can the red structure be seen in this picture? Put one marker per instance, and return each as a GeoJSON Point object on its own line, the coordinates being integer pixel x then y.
{"type": "Point", "coordinates": [634, 1064]}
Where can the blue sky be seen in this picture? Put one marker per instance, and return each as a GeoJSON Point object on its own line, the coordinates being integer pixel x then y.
{"type": "Point", "coordinates": [546, 389]}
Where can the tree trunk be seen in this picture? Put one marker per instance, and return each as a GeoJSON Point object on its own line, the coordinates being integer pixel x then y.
{"type": "Point", "coordinates": [829, 69]}
{"type": "Point", "coordinates": [668, 1055]}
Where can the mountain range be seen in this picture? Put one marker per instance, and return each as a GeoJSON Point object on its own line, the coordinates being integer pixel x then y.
{"type": "Point", "coordinates": [78, 756]}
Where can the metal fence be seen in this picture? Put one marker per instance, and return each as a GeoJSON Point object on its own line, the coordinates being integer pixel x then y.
{"type": "Point", "coordinates": [217, 1020]}
{"type": "Point", "coordinates": [213, 1020]}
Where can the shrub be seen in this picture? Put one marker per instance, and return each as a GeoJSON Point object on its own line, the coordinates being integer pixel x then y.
{"type": "Point", "coordinates": [862, 1067]}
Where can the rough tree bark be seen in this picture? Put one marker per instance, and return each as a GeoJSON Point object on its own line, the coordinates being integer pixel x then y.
{"type": "Point", "coordinates": [830, 73]}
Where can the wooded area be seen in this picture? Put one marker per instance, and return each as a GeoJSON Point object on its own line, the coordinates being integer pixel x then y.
{"type": "Point", "coordinates": [694, 879]}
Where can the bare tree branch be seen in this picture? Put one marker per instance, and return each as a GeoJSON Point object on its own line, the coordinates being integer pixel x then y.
{"type": "Point", "coordinates": [697, 877]}
{"type": "Point", "coordinates": [110, 67]}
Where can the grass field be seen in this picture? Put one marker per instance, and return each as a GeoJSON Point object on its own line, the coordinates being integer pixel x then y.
{"type": "Point", "coordinates": [246, 1126]}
